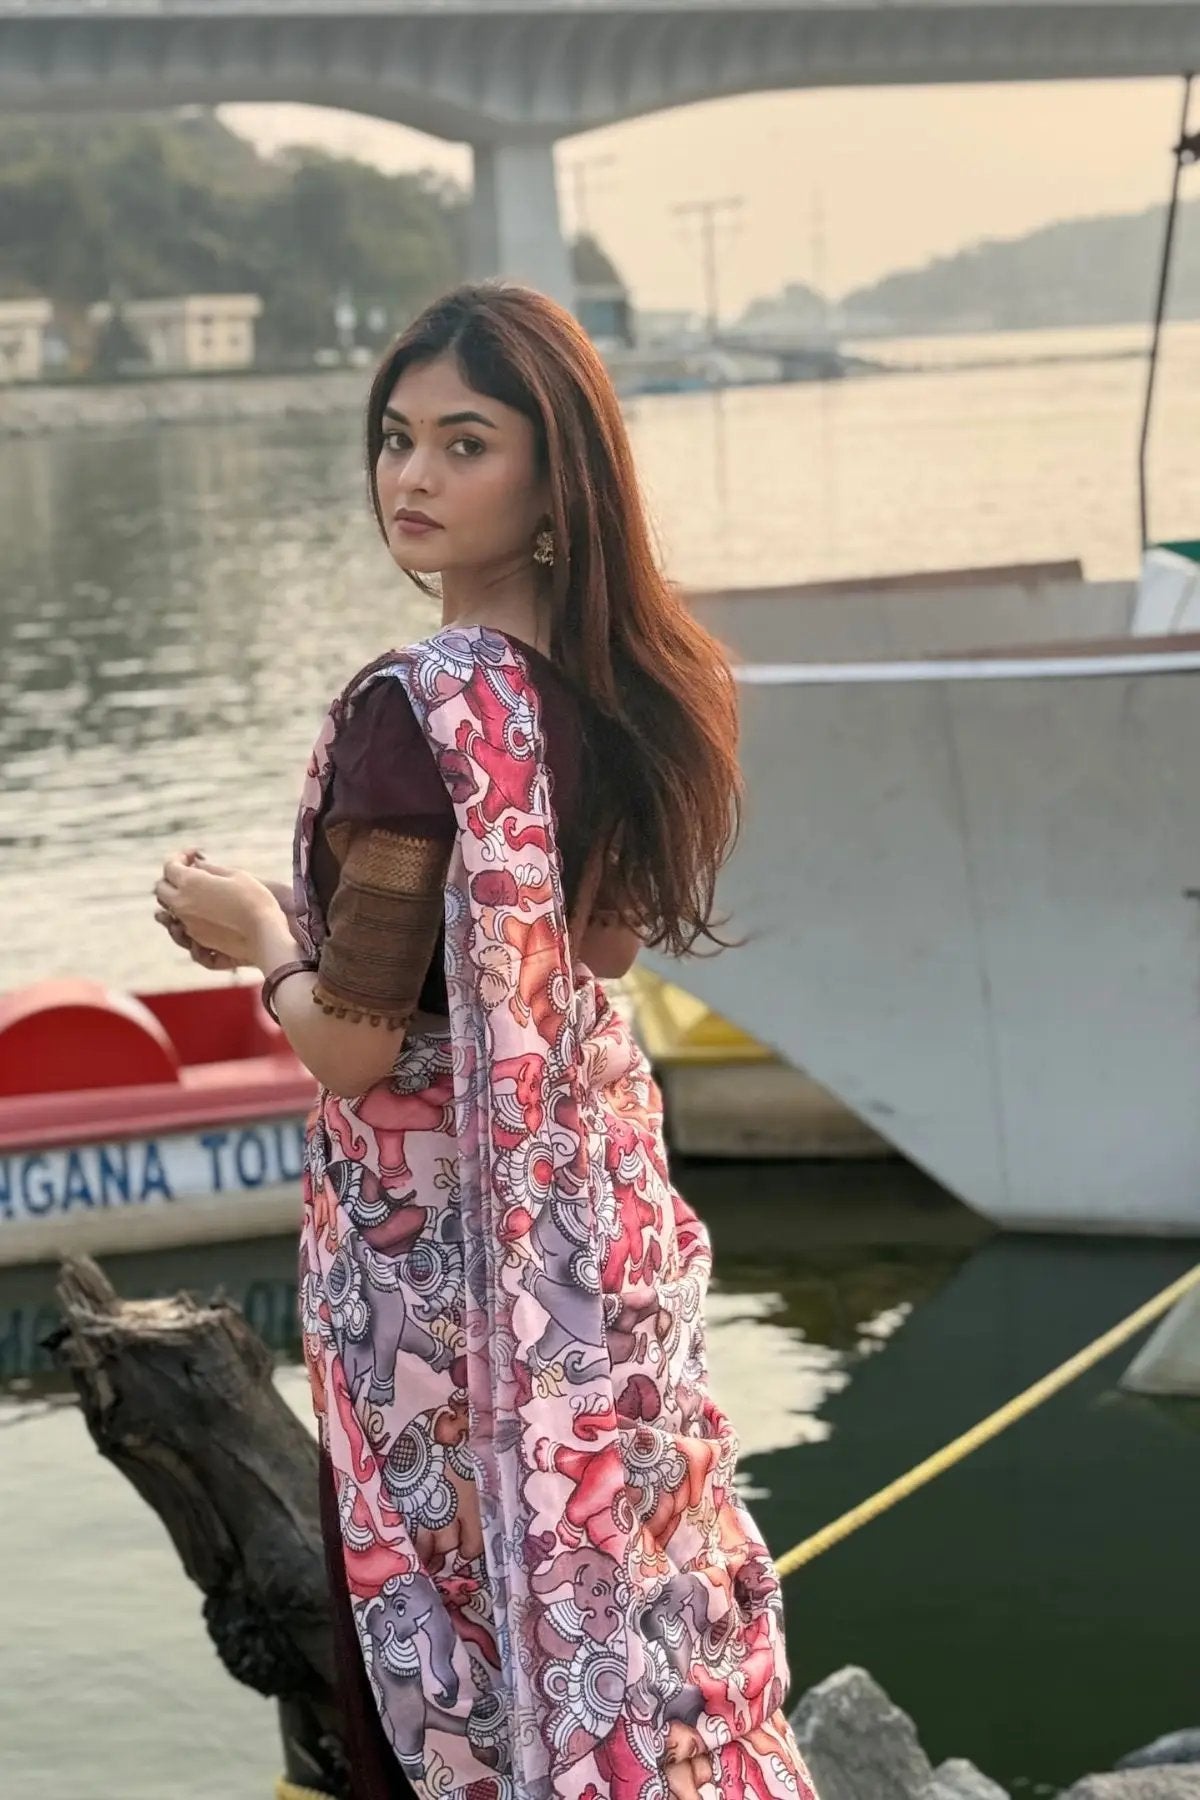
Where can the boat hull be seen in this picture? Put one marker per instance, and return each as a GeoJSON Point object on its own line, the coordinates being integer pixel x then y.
{"type": "Point", "coordinates": [151, 1192]}
{"type": "Point", "coordinates": [970, 896]}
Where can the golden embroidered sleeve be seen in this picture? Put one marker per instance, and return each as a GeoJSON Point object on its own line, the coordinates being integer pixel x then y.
{"type": "Point", "coordinates": [381, 856]}
{"type": "Point", "coordinates": [384, 920]}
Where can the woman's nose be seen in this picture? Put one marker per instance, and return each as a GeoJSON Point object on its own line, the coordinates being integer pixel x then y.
{"type": "Point", "coordinates": [418, 471]}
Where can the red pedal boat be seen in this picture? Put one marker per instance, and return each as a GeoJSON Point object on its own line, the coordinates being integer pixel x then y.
{"type": "Point", "coordinates": [130, 1122]}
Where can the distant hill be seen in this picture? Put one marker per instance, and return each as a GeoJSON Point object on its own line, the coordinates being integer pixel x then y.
{"type": "Point", "coordinates": [795, 311]}
{"type": "Point", "coordinates": [1097, 271]}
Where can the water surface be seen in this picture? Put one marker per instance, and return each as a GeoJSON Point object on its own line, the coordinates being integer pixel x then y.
{"type": "Point", "coordinates": [177, 606]}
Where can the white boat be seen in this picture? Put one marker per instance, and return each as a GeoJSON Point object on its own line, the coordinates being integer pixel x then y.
{"type": "Point", "coordinates": [971, 883]}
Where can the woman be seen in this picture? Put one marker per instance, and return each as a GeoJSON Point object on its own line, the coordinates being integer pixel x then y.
{"type": "Point", "coordinates": [529, 1493]}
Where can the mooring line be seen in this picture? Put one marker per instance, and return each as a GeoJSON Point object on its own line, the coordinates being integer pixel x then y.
{"type": "Point", "coordinates": [988, 1428]}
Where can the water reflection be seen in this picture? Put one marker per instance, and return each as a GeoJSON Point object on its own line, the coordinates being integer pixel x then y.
{"type": "Point", "coordinates": [1034, 1607]}
{"type": "Point", "coordinates": [258, 1275]}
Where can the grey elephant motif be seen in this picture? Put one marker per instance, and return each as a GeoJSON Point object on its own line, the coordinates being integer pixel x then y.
{"type": "Point", "coordinates": [567, 1286]}
{"type": "Point", "coordinates": [581, 1634]}
{"type": "Point", "coordinates": [674, 1621]}
{"type": "Point", "coordinates": [681, 1601]}
{"type": "Point", "coordinates": [390, 1626]}
{"type": "Point", "coordinates": [598, 1594]}
{"type": "Point", "coordinates": [384, 1324]}
{"type": "Point", "coordinates": [410, 1607]}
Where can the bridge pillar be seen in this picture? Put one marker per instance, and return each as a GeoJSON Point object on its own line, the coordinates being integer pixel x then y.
{"type": "Point", "coordinates": [516, 230]}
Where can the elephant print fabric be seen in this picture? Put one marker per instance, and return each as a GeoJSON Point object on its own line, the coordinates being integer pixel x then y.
{"type": "Point", "coordinates": [556, 1588]}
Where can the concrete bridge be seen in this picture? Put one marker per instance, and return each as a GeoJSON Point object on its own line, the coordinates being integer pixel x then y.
{"type": "Point", "coordinates": [511, 77]}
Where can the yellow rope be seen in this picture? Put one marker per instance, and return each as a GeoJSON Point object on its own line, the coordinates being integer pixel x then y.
{"type": "Point", "coordinates": [987, 1428]}
{"type": "Point", "coordinates": [288, 1790]}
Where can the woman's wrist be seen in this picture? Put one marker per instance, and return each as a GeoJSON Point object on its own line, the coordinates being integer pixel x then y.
{"type": "Point", "coordinates": [305, 965]}
{"type": "Point", "coordinates": [273, 942]}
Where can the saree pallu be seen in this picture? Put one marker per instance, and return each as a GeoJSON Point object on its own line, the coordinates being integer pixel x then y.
{"type": "Point", "coordinates": [557, 1593]}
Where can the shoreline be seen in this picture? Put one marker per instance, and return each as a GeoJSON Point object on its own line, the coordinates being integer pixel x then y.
{"type": "Point", "coordinates": [38, 410]}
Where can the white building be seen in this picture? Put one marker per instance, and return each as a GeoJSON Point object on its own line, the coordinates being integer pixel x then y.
{"type": "Point", "coordinates": [191, 332]}
{"type": "Point", "coordinates": [23, 325]}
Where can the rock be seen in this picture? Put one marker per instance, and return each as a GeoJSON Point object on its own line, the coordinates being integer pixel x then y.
{"type": "Point", "coordinates": [961, 1780]}
{"type": "Point", "coordinates": [1176, 1747]}
{"type": "Point", "coordinates": [861, 1746]}
{"type": "Point", "coordinates": [858, 1744]}
{"type": "Point", "coordinates": [1139, 1784]}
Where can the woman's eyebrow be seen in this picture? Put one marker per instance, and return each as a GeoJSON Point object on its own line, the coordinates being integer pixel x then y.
{"type": "Point", "coordinates": [455, 418]}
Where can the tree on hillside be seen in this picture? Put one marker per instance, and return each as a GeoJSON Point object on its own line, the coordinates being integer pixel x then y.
{"type": "Point", "coordinates": [150, 206]}
{"type": "Point", "coordinates": [118, 348]}
{"type": "Point", "coordinates": [178, 231]}
{"type": "Point", "coordinates": [146, 204]}
{"type": "Point", "coordinates": [52, 232]}
{"type": "Point", "coordinates": [389, 242]}
{"type": "Point", "coordinates": [591, 264]}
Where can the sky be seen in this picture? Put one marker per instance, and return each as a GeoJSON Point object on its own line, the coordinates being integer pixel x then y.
{"type": "Point", "coordinates": [836, 186]}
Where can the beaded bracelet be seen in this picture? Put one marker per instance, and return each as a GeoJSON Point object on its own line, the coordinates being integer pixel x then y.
{"type": "Point", "coordinates": [305, 965]}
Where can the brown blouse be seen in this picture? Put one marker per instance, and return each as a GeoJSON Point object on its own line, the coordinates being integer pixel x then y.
{"type": "Point", "coordinates": [383, 840]}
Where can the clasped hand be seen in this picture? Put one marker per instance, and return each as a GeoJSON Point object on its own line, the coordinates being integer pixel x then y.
{"type": "Point", "coordinates": [218, 915]}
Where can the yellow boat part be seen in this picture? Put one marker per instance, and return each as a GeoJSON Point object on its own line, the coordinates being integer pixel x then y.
{"type": "Point", "coordinates": [674, 1028]}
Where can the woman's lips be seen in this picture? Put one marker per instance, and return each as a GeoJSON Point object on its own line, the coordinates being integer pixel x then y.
{"type": "Point", "coordinates": [415, 524]}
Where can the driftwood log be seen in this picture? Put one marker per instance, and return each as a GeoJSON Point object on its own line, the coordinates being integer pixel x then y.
{"type": "Point", "coordinates": [179, 1397]}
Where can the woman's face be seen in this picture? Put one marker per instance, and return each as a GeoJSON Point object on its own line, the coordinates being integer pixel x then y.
{"type": "Point", "coordinates": [457, 475]}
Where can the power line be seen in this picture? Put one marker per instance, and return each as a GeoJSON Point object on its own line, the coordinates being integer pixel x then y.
{"type": "Point", "coordinates": [581, 169]}
{"type": "Point", "coordinates": [708, 212]}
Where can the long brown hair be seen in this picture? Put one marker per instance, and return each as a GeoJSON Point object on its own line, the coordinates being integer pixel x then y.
{"type": "Point", "coordinates": [658, 694]}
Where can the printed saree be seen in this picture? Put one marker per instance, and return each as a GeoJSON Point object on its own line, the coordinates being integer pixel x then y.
{"type": "Point", "coordinates": [557, 1592]}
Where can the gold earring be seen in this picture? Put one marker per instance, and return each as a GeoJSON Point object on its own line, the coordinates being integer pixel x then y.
{"type": "Point", "coordinates": [543, 547]}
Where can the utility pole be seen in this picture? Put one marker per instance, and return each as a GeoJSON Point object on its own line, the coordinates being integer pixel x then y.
{"type": "Point", "coordinates": [581, 169]}
{"type": "Point", "coordinates": [708, 212]}
{"type": "Point", "coordinates": [819, 277]}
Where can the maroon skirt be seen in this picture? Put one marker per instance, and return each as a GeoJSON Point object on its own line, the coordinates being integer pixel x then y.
{"type": "Point", "coordinates": [374, 1772]}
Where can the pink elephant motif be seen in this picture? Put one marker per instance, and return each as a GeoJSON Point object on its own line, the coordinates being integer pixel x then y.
{"type": "Point", "coordinates": [393, 1116]}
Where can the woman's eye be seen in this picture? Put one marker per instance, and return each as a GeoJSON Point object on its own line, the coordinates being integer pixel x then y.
{"type": "Point", "coordinates": [467, 446]}
{"type": "Point", "coordinates": [395, 440]}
